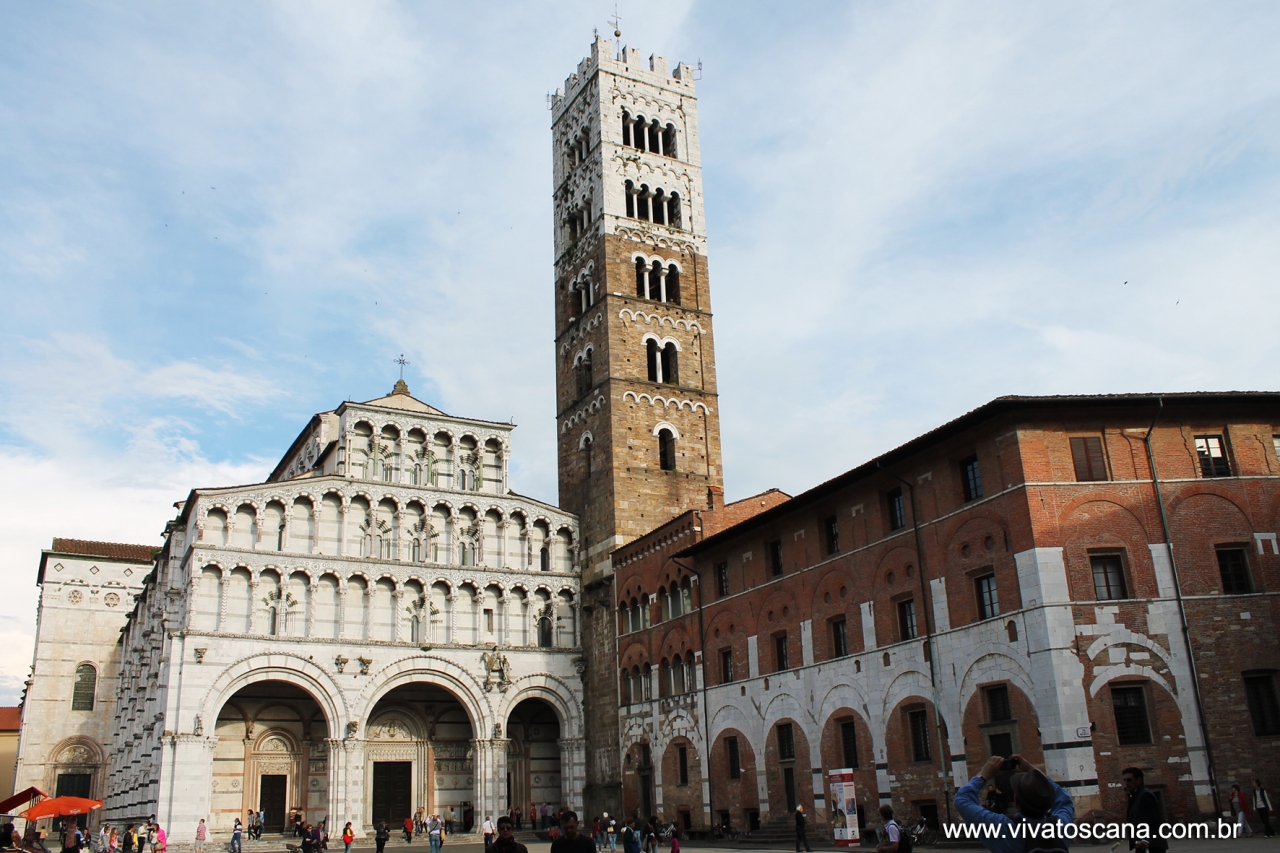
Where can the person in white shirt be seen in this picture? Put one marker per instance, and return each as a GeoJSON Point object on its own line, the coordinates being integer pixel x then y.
{"type": "Point", "coordinates": [489, 832]}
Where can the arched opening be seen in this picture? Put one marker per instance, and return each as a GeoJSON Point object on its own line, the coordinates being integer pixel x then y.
{"type": "Point", "coordinates": [546, 637]}
{"type": "Point", "coordinates": [85, 689]}
{"type": "Point", "coordinates": [669, 147]}
{"type": "Point", "coordinates": [666, 450]}
{"type": "Point", "coordinates": [418, 753]}
{"type": "Point", "coordinates": [673, 284]}
{"type": "Point", "coordinates": [674, 215]}
{"type": "Point", "coordinates": [533, 759]}
{"type": "Point", "coordinates": [670, 365]}
{"type": "Point", "coordinates": [270, 756]}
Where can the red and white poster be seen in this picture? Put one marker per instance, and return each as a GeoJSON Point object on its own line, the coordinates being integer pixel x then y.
{"type": "Point", "coordinates": [844, 807]}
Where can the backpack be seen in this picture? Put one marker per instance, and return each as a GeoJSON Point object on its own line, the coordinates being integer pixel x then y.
{"type": "Point", "coordinates": [905, 841]}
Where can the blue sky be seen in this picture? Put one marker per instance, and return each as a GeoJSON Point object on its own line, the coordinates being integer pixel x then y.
{"type": "Point", "coordinates": [217, 219]}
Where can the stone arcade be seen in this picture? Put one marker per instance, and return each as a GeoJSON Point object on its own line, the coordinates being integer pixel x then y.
{"type": "Point", "coordinates": [381, 625]}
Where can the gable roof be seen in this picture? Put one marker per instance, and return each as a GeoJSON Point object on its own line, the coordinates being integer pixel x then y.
{"type": "Point", "coordinates": [105, 550]}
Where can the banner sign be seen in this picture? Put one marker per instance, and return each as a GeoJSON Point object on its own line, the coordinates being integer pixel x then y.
{"type": "Point", "coordinates": [844, 807]}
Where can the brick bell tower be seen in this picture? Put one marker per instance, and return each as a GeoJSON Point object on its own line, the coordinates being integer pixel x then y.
{"type": "Point", "coordinates": [638, 422]}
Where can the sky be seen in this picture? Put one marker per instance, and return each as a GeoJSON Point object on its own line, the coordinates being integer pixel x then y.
{"type": "Point", "coordinates": [217, 219]}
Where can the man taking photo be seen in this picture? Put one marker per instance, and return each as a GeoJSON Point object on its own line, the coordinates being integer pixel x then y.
{"type": "Point", "coordinates": [1036, 797]}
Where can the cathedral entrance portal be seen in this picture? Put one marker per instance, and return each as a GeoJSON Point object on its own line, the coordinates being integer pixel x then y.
{"type": "Point", "coordinates": [418, 752]}
{"type": "Point", "coordinates": [271, 755]}
{"type": "Point", "coordinates": [533, 758]}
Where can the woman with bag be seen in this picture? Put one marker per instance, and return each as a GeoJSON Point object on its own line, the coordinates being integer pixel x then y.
{"type": "Point", "coordinates": [348, 836]}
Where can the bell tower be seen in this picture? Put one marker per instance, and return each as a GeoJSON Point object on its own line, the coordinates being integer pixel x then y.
{"type": "Point", "coordinates": [637, 416]}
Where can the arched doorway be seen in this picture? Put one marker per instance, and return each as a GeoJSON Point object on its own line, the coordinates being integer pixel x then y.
{"type": "Point", "coordinates": [419, 752]}
{"type": "Point", "coordinates": [533, 759]}
{"type": "Point", "coordinates": [271, 756]}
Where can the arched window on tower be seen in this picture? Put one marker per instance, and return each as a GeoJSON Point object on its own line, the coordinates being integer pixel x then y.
{"type": "Point", "coordinates": [642, 279]}
{"type": "Point", "coordinates": [666, 449]}
{"type": "Point", "coordinates": [544, 633]}
{"type": "Point", "coordinates": [655, 137]}
{"type": "Point", "coordinates": [654, 357]}
{"type": "Point", "coordinates": [674, 218]}
{"type": "Point", "coordinates": [670, 365]}
{"type": "Point", "coordinates": [585, 380]}
{"type": "Point", "coordinates": [626, 127]}
{"type": "Point", "coordinates": [673, 284]}
{"type": "Point", "coordinates": [639, 133]}
{"type": "Point", "coordinates": [669, 141]}
{"type": "Point", "coordinates": [643, 198]}
{"type": "Point", "coordinates": [631, 198]}
{"type": "Point", "coordinates": [659, 207]}
{"type": "Point", "coordinates": [544, 559]}
{"type": "Point", "coordinates": [85, 688]}
{"type": "Point", "coordinates": [655, 281]}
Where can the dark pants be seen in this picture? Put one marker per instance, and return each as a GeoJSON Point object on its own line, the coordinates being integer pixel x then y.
{"type": "Point", "coordinates": [1264, 815]}
{"type": "Point", "coordinates": [802, 837]}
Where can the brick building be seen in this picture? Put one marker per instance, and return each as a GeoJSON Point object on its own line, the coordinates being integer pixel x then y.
{"type": "Point", "coordinates": [1089, 581]}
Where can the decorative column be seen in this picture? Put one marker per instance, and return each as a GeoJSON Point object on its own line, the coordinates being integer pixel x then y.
{"type": "Point", "coordinates": [452, 598]}
{"type": "Point", "coordinates": [504, 626]}
{"type": "Point", "coordinates": [313, 589]}
{"type": "Point", "coordinates": [500, 551]}
{"type": "Point", "coordinates": [576, 610]}
{"type": "Point", "coordinates": [315, 528]}
{"type": "Point", "coordinates": [255, 619]}
{"type": "Point", "coordinates": [222, 600]}
{"type": "Point", "coordinates": [397, 615]}
{"type": "Point", "coordinates": [573, 771]}
{"type": "Point", "coordinates": [187, 762]}
{"type": "Point", "coordinates": [342, 607]}
{"type": "Point", "coordinates": [342, 526]}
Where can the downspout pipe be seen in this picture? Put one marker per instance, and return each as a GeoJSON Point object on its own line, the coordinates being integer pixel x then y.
{"type": "Point", "coordinates": [926, 604]}
{"type": "Point", "coordinates": [1182, 609]}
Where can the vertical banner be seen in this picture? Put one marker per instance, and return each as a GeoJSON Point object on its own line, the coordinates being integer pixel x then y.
{"type": "Point", "coordinates": [844, 807]}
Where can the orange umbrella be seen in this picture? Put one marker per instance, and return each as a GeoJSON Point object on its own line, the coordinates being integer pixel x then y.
{"type": "Point", "coordinates": [60, 807]}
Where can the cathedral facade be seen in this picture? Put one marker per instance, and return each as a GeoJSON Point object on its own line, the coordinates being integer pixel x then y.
{"type": "Point", "coordinates": [381, 625]}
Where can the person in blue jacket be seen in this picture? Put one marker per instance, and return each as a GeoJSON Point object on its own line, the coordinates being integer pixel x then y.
{"type": "Point", "coordinates": [1037, 798]}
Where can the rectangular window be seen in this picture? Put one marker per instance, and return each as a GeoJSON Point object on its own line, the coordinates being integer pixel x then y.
{"type": "Point", "coordinates": [970, 478]}
{"type": "Point", "coordinates": [488, 620]}
{"type": "Point", "coordinates": [722, 579]}
{"type": "Point", "coordinates": [775, 557]}
{"type": "Point", "coordinates": [1260, 691]}
{"type": "Point", "coordinates": [780, 652]}
{"type": "Point", "coordinates": [1108, 577]}
{"type": "Point", "coordinates": [1132, 724]}
{"type": "Point", "coordinates": [849, 743]}
{"type": "Point", "coordinates": [1234, 569]}
{"type": "Point", "coordinates": [1000, 743]}
{"type": "Point", "coordinates": [1086, 453]}
{"type": "Point", "coordinates": [73, 785]}
{"type": "Point", "coordinates": [786, 742]}
{"type": "Point", "coordinates": [918, 721]}
{"type": "Point", "coordinates": [726, 666]}
{"type": "Point", "coordinates": [683, 754]}
{"type": "Point", "coordinates": [907, 619]}
{"type": "Point", "coordinates": [735, 765]}
{"type": "Point", "coordinates": [839, 639]}
{"type": "Point", "coordinates": [831, 535]}
{"type": "Point", "coordinates": [988, 602]}
{"type": "Point", "coordinates": [998, 710]}
{"type": "Point", "coordinates": [897, 510]}
{"type": "Point", "coordinates": [1213, 456]}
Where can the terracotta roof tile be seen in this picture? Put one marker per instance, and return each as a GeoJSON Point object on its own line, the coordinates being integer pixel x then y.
{"type": "Point", "coordinates": [10, 719]}
{"type": "Point", "coordinates": [106, 550]}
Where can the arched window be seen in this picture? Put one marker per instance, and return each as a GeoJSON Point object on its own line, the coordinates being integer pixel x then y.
{"type": "Point", "coordinates": [417, 550]}
{"type": "Point", "coordinates": [665, 599]}
{"type": "Point", "coordinates": [666, 450]}
{"type": "Point", "coordinates": [674, 217]}
{"type": "Point", "coordinates": [655, 137]}
{"type": "Point", "coordinates": [626, 127]}
{"type": "Point", "coordinates": [631, 199]}
{"type": "Point", "coordinates": [669, 141]}
{"type": "Point", "coordinates": [639, 131]}
{"type": "Point", "coordinates": [655, 281]}
{"type": "Point", "coordinates": [643, 198]}
{"type": "Point", "coordinates": [585, 380]}
{"type": "Point", "coordinates": [467, 554]}
{"type": "Point", "coordinates": [690, 677]}
{"type": "Point", "coordinates": [686, 596]}
{"type": "Point", "coordinates": [273, 621]}
{"type": "Point", "coordinates": [677, 676]}
{"type": "Point", "coordinates": [664, 679]}
{"type": "Point", "coordinates": [670, 365]}
{"type": "Point", "coordinates": [85, 688]}
{"type": "Point", "coordinates": [1012, 630]}
{"type": "Point", "coordinates": [642, 278]}
{"type": "Point", "coordinates": [544, 558]}
{"type": "Point", "coordinates": [654, 360]}
{"type": "Point", "coordinates": [624, 688]}
{"type": "Point", "coordinates": [415, 626]}
{"type": "Point", "coordinates": [673, 284]}
{"type": "Point", "coordinates": [417, 475]}
{"type": "Point", "coordinates": [659, 207]}
{"type": "Point", "coordinates": [384, 547]}
{"type": "Point", "coordinates": [544, 633]}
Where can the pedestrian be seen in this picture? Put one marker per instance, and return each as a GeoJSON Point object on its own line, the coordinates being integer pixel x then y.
{"type": "Point", "coordinates": [435, 833]}
{"type": "Point", "coordinates": [597, 834]}
{"type": "Point", "coordinates": [151, 835]}
{"type": "Point", "coordinates": [382, 836]}
{"type": "Point", "coordinates": [307, 845]}
{"type": "Point", "coordinates": [892, 832]}
{"type": "Point", "coordinates": [129, 843]}
{"type": "Point", "coordinates": [236, 831]}
{"type": "Point", "coordinates": [162, 840]}
{"type": "Point", "coordinates": [1036, 797]}
{"type": "Point", "coordinates": [610, 832]}
{"type": "Point", "coordinates": [506, 842]}
{"type": "Point", "coordinates": [519, 819]}
{"type": "Point", "coordinates": [70, 837]}
{"type": "Point", "coordinates": [1144, 808]}
{"type": "Point", "coordinates": [675, 841]}
{"type": "Point", "coordinates": [630, 839]}
{"type": "Point", "coordinates": [262, 822]}
{"type": "Point", "coordinates": [802, 831]}
{"type": "Point", "coordinates": [348, 836]}
{"type": "Point", "coordinates": [1262, 805]}
{"type": "Point", "coordinates": [490, 832]}
{"type": "Point", "coordinates": [202, 835]}
{"type": "Point", "coordinates": [113, 841]}
{"type": "Point", "coordinates": [570, 840]}
{"type": "Point", "coordinates": [408, 830]}
{"type": "Point", "coordinates": [448, 819]}
{"type": "Point", "coordinates": [1240, 811]}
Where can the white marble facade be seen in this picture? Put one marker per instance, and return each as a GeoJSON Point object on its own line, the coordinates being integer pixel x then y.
{"type": "Point", "coordinates": [381, 624]}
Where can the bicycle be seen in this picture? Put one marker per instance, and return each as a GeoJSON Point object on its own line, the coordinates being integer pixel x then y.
{"type": "Point", "coordinates": [726, 832]}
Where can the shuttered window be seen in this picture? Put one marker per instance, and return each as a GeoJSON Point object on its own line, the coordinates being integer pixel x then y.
{"type": "Point", "coordinates": [1234, 569]}
{"type": "Point", "coordinates": [1132, 724]}
{"type": "Point", "coordinates": [1213, 456]}
{"type": "Point", "coordinates": [1086, 453]}
{"type": "Point", "coordinates": [849, 743]}
{"type": "Point", "coordinates": [786, 742]}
